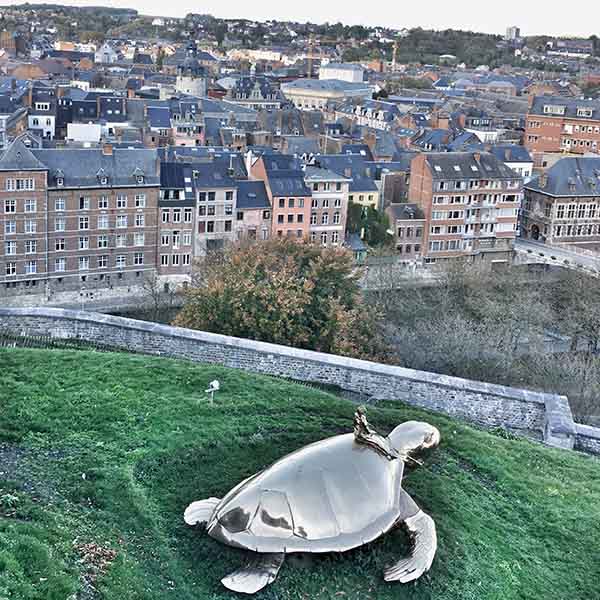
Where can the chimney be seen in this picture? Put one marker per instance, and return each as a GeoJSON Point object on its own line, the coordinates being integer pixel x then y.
{"type": "Point", "coordinates": [477, 156]}
{"type": "Point", "coordinates": [107, 149]}
{"type": "Point", "coordinates": [249, 161]}
{"type": "Point", "coordinates": [543, 180]}
{"type": "Point", "coordinates": [231, 170]}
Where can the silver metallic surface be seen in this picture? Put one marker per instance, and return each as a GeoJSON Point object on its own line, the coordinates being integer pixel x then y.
{"type": "Point", "coordinates": [333, 495]}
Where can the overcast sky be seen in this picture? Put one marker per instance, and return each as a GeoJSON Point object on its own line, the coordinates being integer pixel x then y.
{"type": "Point", "coordinates": [533, 16]}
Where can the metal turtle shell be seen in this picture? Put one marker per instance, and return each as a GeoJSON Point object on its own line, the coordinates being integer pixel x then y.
{"type": "Point", "coordinates": [332, 495]}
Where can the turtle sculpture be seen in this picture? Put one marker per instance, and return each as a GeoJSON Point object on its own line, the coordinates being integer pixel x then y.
{"type": "Point", "coordinates": [330, 496]}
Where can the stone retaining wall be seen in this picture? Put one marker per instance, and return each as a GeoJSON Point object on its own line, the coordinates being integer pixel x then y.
{"type": "Point", "coordinates": [536, 415]}
{"type": "Point", "coordinates": [587, 439]}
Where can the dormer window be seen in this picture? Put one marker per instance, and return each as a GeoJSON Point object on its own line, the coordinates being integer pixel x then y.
{"type": "Point", "coordinates": [103, 180]}
{"type": "Point", "coordinates": [60, 181]}
{"type": "Point", "coordinates": [139, 178]}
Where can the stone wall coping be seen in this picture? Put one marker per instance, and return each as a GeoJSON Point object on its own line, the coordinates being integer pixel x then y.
{"type": "Point", "coordinates": [587, 431]}
{"type": "Point", "coordinates": [436, 379]}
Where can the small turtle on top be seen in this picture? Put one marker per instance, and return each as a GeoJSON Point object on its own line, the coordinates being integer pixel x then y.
{"type": "Point", "coordinates": [330, 496]}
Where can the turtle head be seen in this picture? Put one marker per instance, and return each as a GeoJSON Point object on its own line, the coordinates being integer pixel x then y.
{"type": "Point", "coordinates": [414, 436]}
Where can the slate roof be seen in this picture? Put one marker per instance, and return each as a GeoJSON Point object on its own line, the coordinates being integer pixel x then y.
{"type": "Point", "coordinates": [285, 175]}
{"type": "Point", "coordinates": [314, 174]}
{"type": "Point", "coordinates": [571, 105]}
{"type": "Point", "coordinates": [17, 157]}
{"type": "Point", "coordinates": [511, 153]}
{"type": "Point", "coordinates": [79, 167]}
{"type": "Point", "coordinates": [468, 165]}
{"type": "Point", "coordinates": [570, 177]}
{"type": "Point", "coordinates": [252, 195]}
{"type": "Point", "coordinates": [405, 211]}
{"type": "Point", "coordinates": [352, 166]}
{"type": "Point", "coordinates": [361, 149]}
{"type": "Point", "coordinates": [178, 176]}
{"type": "Point", "coordinates": [328, 85]}
{"type": "Point", "coordinates": [299, 145]}
{"type": "Point", "coordinates": [159, 117]}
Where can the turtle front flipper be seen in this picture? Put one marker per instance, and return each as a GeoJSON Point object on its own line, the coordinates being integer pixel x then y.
{"type": "Point", "coordinates": [200, 512]}
{"type": "Point", "coordinates": [421, 530]}
{"type": "Point", "coordinates": [261, 570]}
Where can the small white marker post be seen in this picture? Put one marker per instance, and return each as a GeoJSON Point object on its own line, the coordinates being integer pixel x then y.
{"type": "Point", "coordinates": [213, 387]}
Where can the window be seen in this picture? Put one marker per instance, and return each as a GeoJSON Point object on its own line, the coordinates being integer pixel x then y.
{"type": "Point", "coordinates": [211, 196]}
{"type": "Point", "coordinates": [84, 263]}
{"type": "Point", "coordinates": [11, 268]}
{"type": "Point", "coordinates": [325, 203]}
{"type": "Point", "coordinates": [30, 247]}
{"type": "Point", "coordinates": [300, 202]}
{"type": "Point", "coordinates": [59, 224]}
{"type": "Point", "coordinates": [165, 216]}
{"type": "Point", "coordinates": [102, 241]}
{"type": "Point", "coordinates": [84, 222]}
{"type": "Point", "coordinates": [335, 237]}
{"type": "Point", "coordinates": [10, 227]}
{"type": "Point", "coordinates": [103, 202]}
{"type": "Point", "coordinates": [279, 218]}
{"type": "Point", "coordinates": [187, 215]}
{"type": "Point", "coordinates": [185, 259]}
{"type": "Point", "coordinates": [103, 261]}
{"type": "Point", "coordinates": [211, 211]}
{"type": "Point", "coordinates": [314, 203]}
{"type": "Point", "coordinates": [138, 258]}
{"type": "Point", "coordinates": [140, 220]}
{"type": "Point", "coordinates": [177, 214]}
{"type": "Point", "coordinates": [84, 243]}
{"type": "Point", "coordinates": [30, 267]}
{"type": "Point", "coordinates": [21, 185]}
{"type": "Point", "coordinates": [210, 226]}
{"type": "Point", "coordinates": [121, 201]}
{"type": "Point", "coordinates": [30, 206]}
{"type": "Point", "coordinates": [290, 218]}
{"type": "Point", "coordinates": [139, 239]}
{"type": "Point", "coordinates": [281, 202]}
{"type": "Point", "coordinates": [175, 260]}
{"type": "Point", "coordinates": [103, 222]}
{"type": "Point", "coordinates": [187, 238]}
{"type": "Point", "coordinates": [10, 248]}
{"type": "Point", "coordinates": [315, 187]}
{"type": "Point", "coordinates": [59, 244]}
{"type": "Point", "coordinates": [227, 225]}
{"type": "Point", "coordinates": [313, 218]}
{"type": "Point", "coordinates": [336, 218]}
{"type": "Point", "coordinates": [30, 226]}
{"type": "Point", "coordinates": [10, 206]}
{"type": "Point", "coordinates": [229, 196]}
{"type": "Point", "coordinates": [164, 260]}
{"type": "Point", "coordinates": [291, 203]}
{"type": "Point", "coordinates": [121, 240]}
{"type": "Point", "coordinates": [266, 214]}
{"type": "Point", "coordinates": [324, 238]}
{"type": "Point", "coordinates": [60, 265]}
{"type": "Point", "coordinates": [121, 221]}
{"type": "Point", "coordinates": [84, 203]}
{"type": "Point", "coordinates": [59, 204]}
{"type": "Point", "coordinates": [121, 261]}
{"type": "Point", "coordinates": [140, 200]}
{"type": "Point", "coordinates": [201, 196]}
{"type": "Point", "coordinates": [164, 239]}
{"type": "Point", "coordinates": [324, 219]}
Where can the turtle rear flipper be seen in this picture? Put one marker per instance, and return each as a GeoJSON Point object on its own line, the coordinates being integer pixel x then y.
{"type": "Point", "coordinates": [260, 571]}
{"type": "Point", "coordinates": [200, 512]}
{"type": "Point", "coordinates": [421, 529]}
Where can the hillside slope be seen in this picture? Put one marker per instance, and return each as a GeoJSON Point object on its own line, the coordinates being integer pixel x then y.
{"type": "Point", "coordinates": [101, 453]}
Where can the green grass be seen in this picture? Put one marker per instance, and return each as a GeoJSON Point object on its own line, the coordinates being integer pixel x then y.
{"type": "Point", "coordinates": [108, 449]}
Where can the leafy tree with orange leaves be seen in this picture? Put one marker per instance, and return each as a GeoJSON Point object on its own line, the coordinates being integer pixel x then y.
{"type": "Point", "coordinates": [285, 292]}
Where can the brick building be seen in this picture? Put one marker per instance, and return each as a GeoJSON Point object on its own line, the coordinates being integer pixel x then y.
{"type": "Point", "coordinates": [289, 196]}
{"type": "Point", "coordinates": [470, 202]}
{"type": "Point", "coordinates": [77, 219]}
{"type": "Point", "coordinates": [556, 124]}
{"type": "Point", "coordinates": [563, 204]}
{"type": "Point", "coordinates": [408, 223]}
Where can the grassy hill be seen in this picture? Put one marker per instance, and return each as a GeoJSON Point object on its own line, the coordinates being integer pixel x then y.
{"type": "Point", "coordinates": [101, 453]}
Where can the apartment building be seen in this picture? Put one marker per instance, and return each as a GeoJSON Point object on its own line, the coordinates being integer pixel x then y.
{"type": "Point", "coordinates": [329, 206]}
{"type": "Point", "coordinates": [77, 219]}
{"type": "Point", "coordinates": [558, 124]}
{"type": "Point", "coordinates": [408, 224]}
{"type": "Point", "coordinates": [563, 204]}
{"type": "Point", "coordinates": [289, 196]}
{"type": "Point", "coordinates": [470, 202]}
{"type": "Point", "coordinates": [253, 211]}
{"type": "Point", "coordinates": [216, 198]}
{"type": "Point", "coordinates": [176, 223]}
